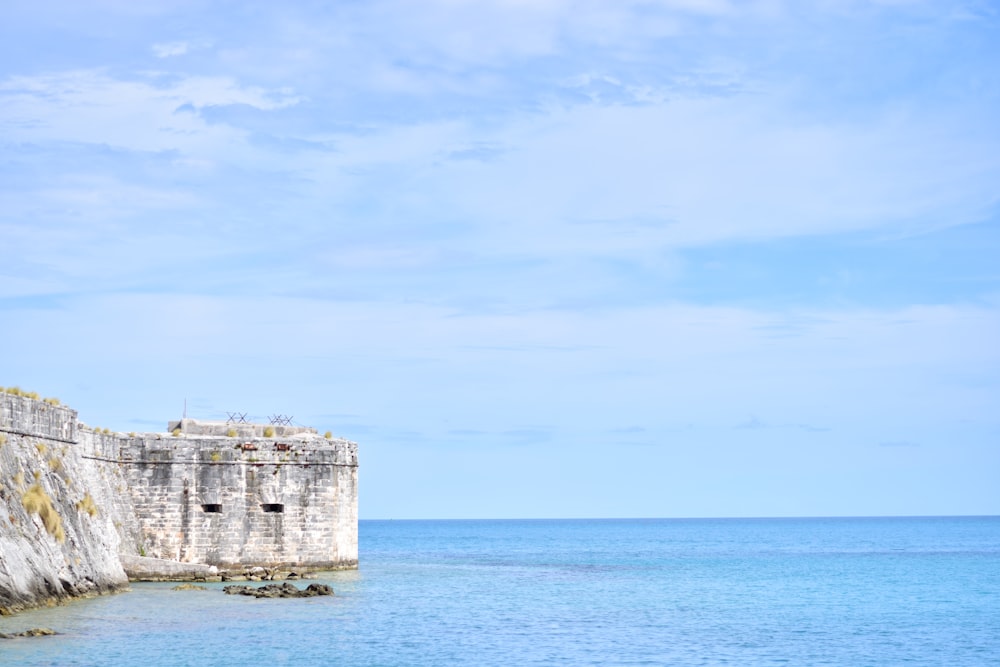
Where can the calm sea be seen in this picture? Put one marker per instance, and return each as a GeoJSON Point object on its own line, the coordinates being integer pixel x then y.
{"type": "Point", "coordinates": [894, 591]}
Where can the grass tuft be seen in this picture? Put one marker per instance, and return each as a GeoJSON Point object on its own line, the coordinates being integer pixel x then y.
{"type": "Point", "coordinates": [36, 501]}
{"type": "Point", "coordinates": [87, 505]}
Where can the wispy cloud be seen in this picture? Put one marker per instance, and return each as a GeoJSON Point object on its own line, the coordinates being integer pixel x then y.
{"type": "Point", "coordinates": [92, 107]}
{"type": "Point", "coordinates": [170, 49]}
{"type": "Point", "coordinates": [753, 423]}
{"type": "Point", "coordinates": [898, 443]}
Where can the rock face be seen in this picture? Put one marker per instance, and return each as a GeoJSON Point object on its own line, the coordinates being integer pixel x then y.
{"type": "Point", "coordinates": [58, 510]}
{"type": "Point", "coordinates": [82, 512]}
{"type": "Point", "coordinates": [280, 591]}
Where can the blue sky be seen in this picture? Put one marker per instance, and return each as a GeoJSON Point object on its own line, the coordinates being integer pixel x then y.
{"type": "Point", "coordinates": [559, 258]}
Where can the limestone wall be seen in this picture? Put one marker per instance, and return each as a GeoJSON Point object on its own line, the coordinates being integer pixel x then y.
{"type": "Point", "coordinates": [65, 542]}
{"type": "Point", "coordinates": [30, 417]}
{"type": "Point", "coordinates": [234, 502]}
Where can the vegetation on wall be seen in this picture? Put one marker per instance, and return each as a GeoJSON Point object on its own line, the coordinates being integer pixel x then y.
{"type": "Point", "coordinates": [86, 504]}
{"type": "Point", "coordinates": [36, 501]}
{"type": "Point", "coordinates": [17, 391]}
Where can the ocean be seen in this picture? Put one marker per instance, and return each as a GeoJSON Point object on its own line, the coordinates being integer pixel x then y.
{"type": "Point", "coordinates": [844, 591]}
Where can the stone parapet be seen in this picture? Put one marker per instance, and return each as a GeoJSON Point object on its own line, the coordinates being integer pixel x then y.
{"type": "Point", "coordinates": [235, 429]}
{"type": "Point", "coordinates": [34, 418]}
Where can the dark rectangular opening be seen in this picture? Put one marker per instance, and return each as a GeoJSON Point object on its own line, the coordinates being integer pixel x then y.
{"type": "Point", "coordinates": [273, 507]}
{"type": "Point", "coordinates": [212, 508]}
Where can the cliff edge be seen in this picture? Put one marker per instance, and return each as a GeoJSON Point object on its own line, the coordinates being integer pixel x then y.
{"type": "Point", "coordinates": [58, 510]}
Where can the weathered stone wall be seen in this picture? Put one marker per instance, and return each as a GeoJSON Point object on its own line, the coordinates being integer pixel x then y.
{"type": "Point", "coordinates": [205, 499]}
{"type": "Point", "coordinates": [30, 417]}
{"type": "Point", "coordinates": [40, 462]}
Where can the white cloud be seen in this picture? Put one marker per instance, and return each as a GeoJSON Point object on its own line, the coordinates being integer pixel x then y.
{"type": "Point", "coordinates": [691, 171]}
{"type": "Point", "coordinates": [89, 106]}
{"type": "Point", "coordinates": [170, 49]}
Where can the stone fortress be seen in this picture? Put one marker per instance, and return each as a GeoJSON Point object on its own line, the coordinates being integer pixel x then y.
{"type": "Point", "coordinates": [83, 510]}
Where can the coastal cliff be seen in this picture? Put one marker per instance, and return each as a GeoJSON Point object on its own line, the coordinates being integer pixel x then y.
{"type": "Point", "coordinates": [61, 520]}
{"type": "Point", "coordinates": [77, 502]}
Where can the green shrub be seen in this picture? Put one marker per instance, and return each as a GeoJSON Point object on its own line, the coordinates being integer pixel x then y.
{"type": "Point", "coordinates": [176, 432]}
{"type": "Point", "coordinates": [269, 432]}
{"type": "Point", "coordinates": [328, 435]}
{"type": "Point", "coordinates": [231, 433]}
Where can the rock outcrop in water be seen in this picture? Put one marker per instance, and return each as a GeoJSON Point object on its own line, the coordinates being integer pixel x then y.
{"type": "Point", "coordinates": [34, 632]}
{"type": "Point", "coordinates": [279, 591]}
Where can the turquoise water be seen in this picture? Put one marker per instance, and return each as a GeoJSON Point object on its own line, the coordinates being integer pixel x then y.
{"type": "Point", "coordinates": [916, 591]}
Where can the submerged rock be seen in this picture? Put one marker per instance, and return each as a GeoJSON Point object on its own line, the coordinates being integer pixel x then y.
{"type": "Point", "coordinates": [34, 632]}
{"type": "Point", "coordinates": [285, 590]}
{"type": "Point", "coordinates": [188, 587]}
